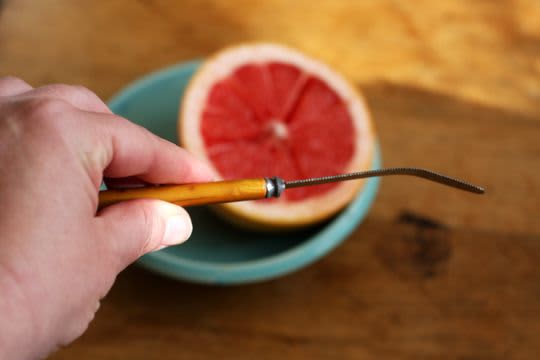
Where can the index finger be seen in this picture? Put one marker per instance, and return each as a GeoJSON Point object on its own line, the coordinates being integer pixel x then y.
{"type": "Point", "coordinates": [126, 149]}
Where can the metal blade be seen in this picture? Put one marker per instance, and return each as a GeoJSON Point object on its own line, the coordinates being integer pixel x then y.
{"type": "Point", "coordinates": [422, 173]}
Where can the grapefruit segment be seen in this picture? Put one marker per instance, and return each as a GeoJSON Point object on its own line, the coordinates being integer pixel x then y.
{"type": "Point", "coordinates": [265, 110]}
{"type": "Point", "coordinates": [287, 81]}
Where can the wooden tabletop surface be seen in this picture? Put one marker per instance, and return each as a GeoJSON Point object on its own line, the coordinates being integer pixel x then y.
{"type": "Point", "coordinates": [432, 273]}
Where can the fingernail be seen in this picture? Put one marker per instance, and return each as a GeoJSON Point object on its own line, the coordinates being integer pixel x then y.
{"type": "Point", "coordinates": [177, 230]}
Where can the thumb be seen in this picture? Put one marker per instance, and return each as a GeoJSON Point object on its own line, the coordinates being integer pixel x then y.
{"type": "Point", "coordinates": [137, 227]}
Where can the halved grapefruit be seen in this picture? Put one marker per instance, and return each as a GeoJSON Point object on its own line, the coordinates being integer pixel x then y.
{"type": "Point", "coordinates": [265, 110]}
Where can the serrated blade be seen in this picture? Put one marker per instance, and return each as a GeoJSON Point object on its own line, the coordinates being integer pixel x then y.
{"type": "Point", "coordinates": [422, 173]}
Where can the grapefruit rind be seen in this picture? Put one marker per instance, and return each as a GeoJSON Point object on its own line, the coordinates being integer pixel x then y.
{"type": "Point", "coordinates": [278, 214]}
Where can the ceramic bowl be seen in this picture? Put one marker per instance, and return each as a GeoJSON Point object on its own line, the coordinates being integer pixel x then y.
{"type": "Point", "coordinates": [217, 252]}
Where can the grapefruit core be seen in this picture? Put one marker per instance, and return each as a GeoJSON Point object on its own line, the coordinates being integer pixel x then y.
{"type": "Point", "coordinates": [266, 110]}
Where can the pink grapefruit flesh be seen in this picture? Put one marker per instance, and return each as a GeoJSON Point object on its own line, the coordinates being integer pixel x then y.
{"type": "Point", "coordinates": [265, 110]}
{"type": "Point", "coordinates": [291, 124]}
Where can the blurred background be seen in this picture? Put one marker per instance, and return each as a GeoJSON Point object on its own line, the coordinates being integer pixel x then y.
{"type": "Point", "coordinates": [453, 86]}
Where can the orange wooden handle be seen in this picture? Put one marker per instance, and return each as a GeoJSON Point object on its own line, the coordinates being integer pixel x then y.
{"type": "Point", "coordinates": [191, 194]}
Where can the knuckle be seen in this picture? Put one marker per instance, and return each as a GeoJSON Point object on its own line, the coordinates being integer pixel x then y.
{"type": "Point", "coordinates": [83, 90]}
{"type": "Point", "coordinates": [67, 90]}
{"type": "Point", "coordinates": [11, 79]}
{"type": "Point", "coordinates": [11, 85]}
{"type": "Point", "coordinates": [20, 117]}
{"type": "Point", "coordinates": [77, 95]}
{"type": "Point", "coordinates": [42, 108]}
{"type": "Point", "coordinates": [149, 226]}
{"type": "Point", "coordinates": [57, 89]}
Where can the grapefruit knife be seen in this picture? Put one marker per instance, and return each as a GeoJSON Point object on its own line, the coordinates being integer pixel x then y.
{"type": "Point", "coordinates": [259, 188]}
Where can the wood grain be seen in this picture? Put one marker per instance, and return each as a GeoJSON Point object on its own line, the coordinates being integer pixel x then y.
{"type": "Point", "coordinates": [395, 290]}
{"type": "Point", "coordinates": [484, 51]}
{"type": "Point", "coordinates": [432, 273]}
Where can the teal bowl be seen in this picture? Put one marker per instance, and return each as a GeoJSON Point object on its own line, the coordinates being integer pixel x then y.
{"type": "Point", "coordinates": [217, 252]}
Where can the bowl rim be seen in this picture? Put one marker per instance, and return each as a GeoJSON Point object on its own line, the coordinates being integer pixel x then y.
{"type": "Point", "coordinates": [249, 271]}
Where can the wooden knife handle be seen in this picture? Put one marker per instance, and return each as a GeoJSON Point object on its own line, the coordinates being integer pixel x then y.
{"type": "Point", "coordinates": [191, 194]}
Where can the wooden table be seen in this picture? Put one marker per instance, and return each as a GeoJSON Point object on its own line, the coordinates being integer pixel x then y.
{"type": "Point", "coordinates": [432, 273]}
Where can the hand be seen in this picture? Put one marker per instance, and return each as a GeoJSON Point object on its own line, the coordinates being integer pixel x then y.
{"type": "Point", "coordinates": [58, 258]}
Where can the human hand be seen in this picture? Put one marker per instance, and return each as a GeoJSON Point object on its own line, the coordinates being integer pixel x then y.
{"type": "Point", "coordinates": [58, 258]}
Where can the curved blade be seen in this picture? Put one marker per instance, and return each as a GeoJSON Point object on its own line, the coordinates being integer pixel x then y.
{"type": "Point", "coordinates": [422, 173]}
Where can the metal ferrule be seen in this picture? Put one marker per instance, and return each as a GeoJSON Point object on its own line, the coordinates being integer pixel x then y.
{"type": "Point", "coordinates": [274, 186]}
